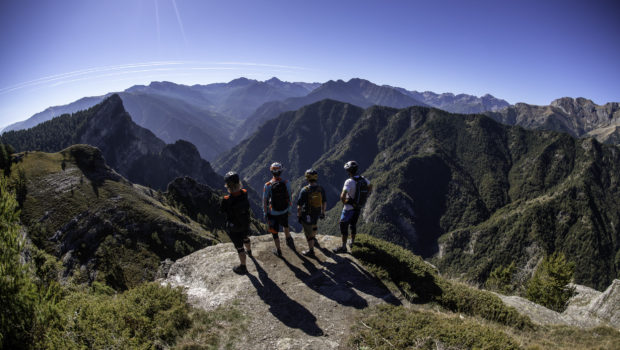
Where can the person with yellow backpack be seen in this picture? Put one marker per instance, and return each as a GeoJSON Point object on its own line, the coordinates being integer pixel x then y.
{"type": "Point", "coordinates": [311, 205]}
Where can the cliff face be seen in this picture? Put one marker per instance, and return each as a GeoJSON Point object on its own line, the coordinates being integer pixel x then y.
{"type": "Point", "coordinates": [575, 116]}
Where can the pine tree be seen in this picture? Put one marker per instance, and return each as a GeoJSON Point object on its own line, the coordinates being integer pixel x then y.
{"type": "Point", "coordinates": [549, 285]}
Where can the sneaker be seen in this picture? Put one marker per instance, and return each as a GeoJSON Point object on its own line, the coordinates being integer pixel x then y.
{"type": "Point", "coordinates": [277, 252]}
{"type": "Point", "coordinates": [240, 269]}
{"type": "Point", "coordinates": [340, 250]}
{"type": "Point", "coordinates": [308, 253]}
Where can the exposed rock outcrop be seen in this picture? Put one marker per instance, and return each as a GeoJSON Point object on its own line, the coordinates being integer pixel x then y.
{"type": "Point", "coordinates": [291, 303]}
{"type": "Point", "coordinates": [587, 308]}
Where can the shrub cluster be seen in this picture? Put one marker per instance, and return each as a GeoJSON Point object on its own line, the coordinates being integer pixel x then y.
{"type": "Point", "coordinates": [419, 282]}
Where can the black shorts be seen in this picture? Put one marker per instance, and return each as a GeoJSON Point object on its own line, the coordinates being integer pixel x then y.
{"type": "Point", "coordinates": [275, 221]}
{"type": "Point", "coordinates": [238, 237]}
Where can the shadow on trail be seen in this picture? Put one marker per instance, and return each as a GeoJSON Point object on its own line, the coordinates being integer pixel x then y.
{"type": "Point", "coordinates": [285, 309]}
{"type": "Point", "coordinates": [339, 281]}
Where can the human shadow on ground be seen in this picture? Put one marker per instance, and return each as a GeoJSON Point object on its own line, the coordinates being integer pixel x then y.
{"type": "Point", "coordinates": [285, 309]}
{"type": "Point", "coordinates": [339, 281]}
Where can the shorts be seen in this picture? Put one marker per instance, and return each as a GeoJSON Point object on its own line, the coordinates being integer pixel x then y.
{"type": "Point", "coordinates": [349, 216]}
{"type": "Point", "coordinates": [275, 221]}
{"type": "Point", "coordinates": [309, 230]}
{"type": "Point", "coordinates": [238, 237]}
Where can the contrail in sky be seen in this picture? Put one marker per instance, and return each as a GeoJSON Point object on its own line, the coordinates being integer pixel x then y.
{"type": "Point", "coordinates": [176, 10]}
{"type": "Point", "coordinates": [99, 72]}
{"type": "Point", "coordinates": [157, 23]}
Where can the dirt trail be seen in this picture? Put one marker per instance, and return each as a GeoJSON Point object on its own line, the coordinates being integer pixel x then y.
{"type": "Point", "coordinates": [292, 302]}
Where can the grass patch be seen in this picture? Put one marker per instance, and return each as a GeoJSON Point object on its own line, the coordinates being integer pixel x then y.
{"type": "Point", "coordinates": [420, 283]}
{"type": "Point", "coordinates": [148, 316]}
{"type": "Point", "coordinates": [396, 327]}
{"type": "Point", "coordinates": [570, 338]}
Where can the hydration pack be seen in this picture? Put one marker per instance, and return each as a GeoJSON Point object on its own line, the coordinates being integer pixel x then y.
{"type": "Point", "coordinates": [279, 196]}
{"type": "Point", "coordinates": [314, 199]}
{"type": "Point", "coordinates": [361, 192]}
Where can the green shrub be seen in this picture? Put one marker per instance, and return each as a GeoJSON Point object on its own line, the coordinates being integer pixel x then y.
{"type": "Point", "coordinates": [419, 282]}
{"type": "Point", "coordinates": [500, 279]}
{"type": "Point", "coordinates": [548, 286]}
{"type": "Point", "coordinates": [27, 308]}
{"type": "Point", "coordinates": [397, 327]}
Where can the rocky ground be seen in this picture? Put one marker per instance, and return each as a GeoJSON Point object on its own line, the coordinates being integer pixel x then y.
{"type": "Point", "coordinates": [296, 302]}
{"type": "Point", "coordinates": [292, 302]}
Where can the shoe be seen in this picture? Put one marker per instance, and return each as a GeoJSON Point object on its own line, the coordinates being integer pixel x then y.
{"type": "Point", "coordinates": [308, 253]}
{"type": "Point", "coordinates": [340, 250]}
{"type": "Point", "coordinates": [277, 252]}
{"type": "Point", "coordinates": [290, 242]}
{"type": "Point", "coordinates": [248, 253]}
{"type": "Point", "coordinates": [240, 269]}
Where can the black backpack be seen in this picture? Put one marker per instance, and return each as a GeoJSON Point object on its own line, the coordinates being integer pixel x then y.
{"type": "Point", "coordinates": [238, 212]}
{"type": "Point", "coordinates": [361, 192]}
{"type": "Point", "coordinates": [279, 196]}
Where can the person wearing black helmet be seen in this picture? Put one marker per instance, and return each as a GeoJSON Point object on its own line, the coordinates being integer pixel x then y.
{"type": "Point", "coordinates": [277, 206]}
{"type": "Point", "coordinates": [237, 209]}
{"type": "Point", "coordinates": [354, 195]}
{"type": "Point", "coordinates": [311, 204]}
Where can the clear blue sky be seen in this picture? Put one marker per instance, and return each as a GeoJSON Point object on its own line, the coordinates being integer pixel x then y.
{"type": "Point", "coordinates": [54, 52]}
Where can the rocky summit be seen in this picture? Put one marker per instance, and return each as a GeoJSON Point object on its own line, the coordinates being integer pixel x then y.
{"type": "Point", "coordinates": [293, 302]}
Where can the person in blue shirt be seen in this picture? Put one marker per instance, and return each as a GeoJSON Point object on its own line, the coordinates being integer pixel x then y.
{"type": "Point", "coordinates": [277, 206]}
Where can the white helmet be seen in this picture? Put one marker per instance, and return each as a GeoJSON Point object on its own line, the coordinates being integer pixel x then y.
{"type": "Point", "coordinates": [276, 168]}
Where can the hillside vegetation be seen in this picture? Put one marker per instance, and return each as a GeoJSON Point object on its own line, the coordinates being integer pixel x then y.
{"type": "Point", "coordinates": [471, 192]}
{"type": "Point", "coordinates": [102, 227]}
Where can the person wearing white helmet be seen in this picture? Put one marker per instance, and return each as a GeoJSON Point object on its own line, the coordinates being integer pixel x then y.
{"type": "Point", "coordinates": [277, 206]}
{"type": "Point", "coordinates": [354, 195]}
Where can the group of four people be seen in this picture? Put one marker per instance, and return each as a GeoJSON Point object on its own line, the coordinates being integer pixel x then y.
{"type": "Point", "coordinates": [278, 206]}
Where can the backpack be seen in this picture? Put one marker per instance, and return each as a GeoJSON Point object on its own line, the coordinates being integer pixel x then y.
{"type": "Point", "coordinates": [314, 199]}
{"type": "Point", "coordinates": [279, 196]}
{"type": "Point", "coordinates": [361, 192]}
{"type": "Point", "coordinates": [238, 212]}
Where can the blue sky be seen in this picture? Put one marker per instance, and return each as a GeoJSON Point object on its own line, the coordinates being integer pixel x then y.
{"type": "Point", "coordinates": [54, 52]}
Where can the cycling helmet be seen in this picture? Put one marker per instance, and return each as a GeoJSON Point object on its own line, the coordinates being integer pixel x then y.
{"type": "Point", "coordinates": [231, 178]}
{"type": "Point", "coordinates": [312, 175]}
{"type": "Point", "coordinates": [276, 168]}
{"type": "Point", "coordinates": [351, 166]}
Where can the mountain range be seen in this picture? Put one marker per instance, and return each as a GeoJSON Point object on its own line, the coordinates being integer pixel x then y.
{"type": "Point", "coordinates": [216, 117]}
{"type": "Point", "coordinates": [465, 190]}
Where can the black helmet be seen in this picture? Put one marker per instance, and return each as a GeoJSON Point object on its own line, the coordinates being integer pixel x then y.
{"type": "Point", "coordinates": [312, 175]}
{"type": "Point", "coordinates": [231, 178]}
{"type": "Point", "coordinates": [351, 166]}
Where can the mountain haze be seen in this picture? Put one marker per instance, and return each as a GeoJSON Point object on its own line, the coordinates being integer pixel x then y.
{"type": "Point", "coordinates": [358, 92]}
{"type": "Point", "coordinates": [461, 103]}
